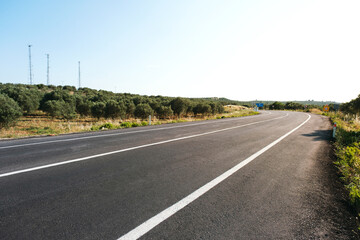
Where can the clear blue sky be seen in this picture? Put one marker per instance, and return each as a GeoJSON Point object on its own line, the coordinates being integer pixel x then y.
{"type": "Point", "coordinates": [242, 50]}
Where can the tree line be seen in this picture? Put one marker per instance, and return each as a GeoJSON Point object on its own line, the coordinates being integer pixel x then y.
{"type": "Point", "coordinates": [293, 106]}
{"type": "Point", "coordinates": [68, 102]}
{"type": "Point", "coordinates": [352, 107]}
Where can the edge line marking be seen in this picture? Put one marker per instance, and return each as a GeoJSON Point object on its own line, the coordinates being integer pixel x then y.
{"type": "Point", "coordinates": [165, 214]}
{"type": "Point", "coordinates": [123, 133]}
{"type": "Point", "coordinates": [130, 149]}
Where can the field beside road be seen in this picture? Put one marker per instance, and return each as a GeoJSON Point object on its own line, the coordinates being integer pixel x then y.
{"type": "Point", "coordinates": [40, 124]}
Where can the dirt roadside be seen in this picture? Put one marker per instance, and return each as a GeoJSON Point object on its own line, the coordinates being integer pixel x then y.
{"type": "Point", "coordinates": [328, 197]}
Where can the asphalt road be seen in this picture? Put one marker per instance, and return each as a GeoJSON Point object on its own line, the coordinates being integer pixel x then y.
{"type": "Point", "coordinates": [258, 177]}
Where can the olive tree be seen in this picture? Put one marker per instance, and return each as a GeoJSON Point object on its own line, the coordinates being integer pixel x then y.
{"type": "Point", "coordinates": [9, 111]}
{"type": "Point", "coordinates": [143, 111]}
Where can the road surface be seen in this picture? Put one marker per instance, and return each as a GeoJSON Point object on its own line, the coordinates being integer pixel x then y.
{"type": "Point", "coordinates": [268, 176]}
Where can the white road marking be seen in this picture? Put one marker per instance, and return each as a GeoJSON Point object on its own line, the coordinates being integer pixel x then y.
{"type": "Point", "coordinates": [165, 214]}
{"type": "Point", "coordinates": [121, 133]}
{"type": "Point", "coordinates": [130, 149]}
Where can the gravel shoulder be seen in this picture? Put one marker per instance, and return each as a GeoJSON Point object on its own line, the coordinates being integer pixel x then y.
{"type": "Point", "coordinates": [332, 217]}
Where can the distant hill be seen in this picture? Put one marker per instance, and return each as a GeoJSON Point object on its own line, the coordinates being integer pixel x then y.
{"type": "Point", "coordinates": [226, 101]}
{"type": "Point", "coordinates": [308, 102]}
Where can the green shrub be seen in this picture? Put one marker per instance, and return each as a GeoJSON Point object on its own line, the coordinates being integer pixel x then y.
{"type": "Point", "coordinates": [349, 164]}
{"type": "Point", "coordinates": [95, 128]}
{"type": "Point", "coordinates": [28, 99]}
{"type": "Point", "coordinates": [83, 106]}
{"type": "Point", "coordinates": [9, 111]}
{"type": "Point", "coordinates": [98, 109]}
{"type": "Point", "coordinates": [277, 106]}
{"type": "Point", "coordinates": [42, 131]}
{"type": "Point", "coordinates": [125, 125]}
{"type": "Point", "coordinates": [143, 111]}
{"type": "Point", "coordinates": [115, 109]}
{"type": "Point", "coordinates": [351, 107]}
{"type": "Point", "coordinates": [180, 106]}
{"type": "Point", "coordinates": [130, 108]}
{"type": "Point", "coordinates": [103, 126]}
{"type": "Point", "coordinates": [135, 124]}
{"type": "Point", "coordinates": [59, 108]}
{"type": "Point", "coordinates": [107, 126]}
{"type": "Point", "coordinates": [165, 112]}
{"type": "Point", "coordinates": [202, 108]}
{"type": "Point", "coordinates": [59, 95]}
{"type": "Point", "coordinates": [348, 155]}
{"type": "Point", "coordinates": [216, 108]}
{"type": "Point", "coordinates": [132, 124]}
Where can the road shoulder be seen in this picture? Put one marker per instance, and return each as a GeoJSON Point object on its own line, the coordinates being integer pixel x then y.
{"type": "Point", "coordinates": [332, 217]}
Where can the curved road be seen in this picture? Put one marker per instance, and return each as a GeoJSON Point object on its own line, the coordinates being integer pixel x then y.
{"type": "Point", "coordinates": [258, 177]}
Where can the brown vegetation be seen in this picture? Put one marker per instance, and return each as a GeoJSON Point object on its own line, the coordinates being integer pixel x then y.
{"type": "Point", "coordinates": [40, 124]}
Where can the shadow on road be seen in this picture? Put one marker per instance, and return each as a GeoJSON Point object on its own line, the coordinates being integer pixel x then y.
{"type": "Point", "coordinates": [320, 135]}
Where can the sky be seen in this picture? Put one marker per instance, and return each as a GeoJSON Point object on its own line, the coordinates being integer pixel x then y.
{"type": "Point", "coordinates": [242, 50]}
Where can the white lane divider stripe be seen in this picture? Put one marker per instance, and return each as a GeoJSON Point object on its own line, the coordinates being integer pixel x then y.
{"type": "Point", "coordinates": [165, 214]}
{"type": "Point", "coordinates": [121, 133]}
{"type": "Point", "coordinates": [129, 149]}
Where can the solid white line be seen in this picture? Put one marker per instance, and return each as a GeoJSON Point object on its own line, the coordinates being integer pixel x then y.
{"type": "Point", "coordinates": [130, 149]}
{"type": "Point", "coordinates": [165, 214]}
{"type": "Point", "coordinates": [122, 133]}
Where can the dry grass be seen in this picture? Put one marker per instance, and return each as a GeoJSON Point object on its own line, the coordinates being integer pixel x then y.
{"type": "Point", "coordinates": [234, 108]}
{"type": "Point", "coordinates": [41, 125]}
{"type": "Point", "coordinates": [316, 111]}
{"type": "Point", "coordinates": [348, 122]}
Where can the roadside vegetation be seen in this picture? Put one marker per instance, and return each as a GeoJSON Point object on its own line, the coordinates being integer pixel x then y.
{"type": "Point", "coordinates": [347, 145]}
{"type": "Point", "coordinates": [28, 110]}
{"type": "Point", "coordinates": [347, 140]}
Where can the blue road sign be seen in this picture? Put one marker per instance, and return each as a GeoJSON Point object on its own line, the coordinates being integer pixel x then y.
{"type": "Point", "coordinates": [259, 104]}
